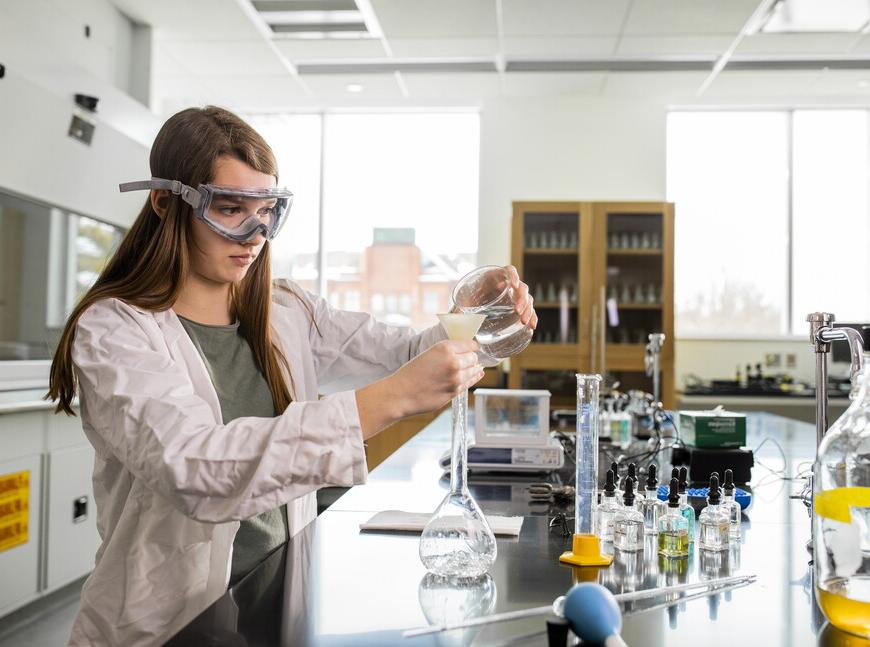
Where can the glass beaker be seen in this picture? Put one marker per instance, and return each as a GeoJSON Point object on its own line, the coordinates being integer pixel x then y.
{"type": "Point", "coordinates": [457, 540]}
{"type": "Point", "coordinates": [487, 291]}
{"type": "Point", "coordinates": [841, 514]}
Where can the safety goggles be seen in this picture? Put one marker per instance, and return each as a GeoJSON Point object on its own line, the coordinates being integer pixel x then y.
{"type": "Point", "coordinates": [235, 213]}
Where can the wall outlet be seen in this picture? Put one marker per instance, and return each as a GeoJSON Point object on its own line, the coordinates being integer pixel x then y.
{"type": "Point", "coordinates": [791, 360]}
{"type": "Point", "coordinates": [773, 360]}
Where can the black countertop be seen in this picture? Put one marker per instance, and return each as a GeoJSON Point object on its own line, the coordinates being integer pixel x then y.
{"type": "Point", "coordinates": [333, 585]}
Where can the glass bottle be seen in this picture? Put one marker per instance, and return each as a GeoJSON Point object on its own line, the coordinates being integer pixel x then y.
{"type": "Point", "coordinates": [650, 505]}
{"type": "Point", "coordinates": [730, 505]}
{"type": "Point", "coordinates": [457, 540]}
{"type": "Point", "coordinates": [607, 509]}
{"type": "Point", "coordinates": [673, 529]}
{"type": "Point", "coordinates": [686, 510]}
{"type": "Point", "coordinates": [628, 522]}
{"type": "Point", "coordinates": [714, 522]}
{"type": "Point", "coordinates": [841, 513]}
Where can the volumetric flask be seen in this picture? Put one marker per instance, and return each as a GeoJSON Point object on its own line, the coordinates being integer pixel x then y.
{"type": "Point", "coordinates": [487, 291]}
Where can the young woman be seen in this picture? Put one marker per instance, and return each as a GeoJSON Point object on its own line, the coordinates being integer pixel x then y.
{"type": "Point", "coordinates": [200, 380]}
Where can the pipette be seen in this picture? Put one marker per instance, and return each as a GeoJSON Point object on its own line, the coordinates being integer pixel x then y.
{"type": "Point", "coordinates": [559, 604]}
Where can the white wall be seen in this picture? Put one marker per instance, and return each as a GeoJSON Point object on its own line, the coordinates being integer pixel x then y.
{"type": "Point", "coordinates": [563, 148]}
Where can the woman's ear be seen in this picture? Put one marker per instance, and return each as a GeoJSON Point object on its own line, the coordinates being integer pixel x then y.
{"type": "Point", "coordinates": [160, 201]}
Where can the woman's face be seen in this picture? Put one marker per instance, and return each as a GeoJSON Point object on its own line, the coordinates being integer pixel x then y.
{"type": "Point", "coordinates": [213, 258]}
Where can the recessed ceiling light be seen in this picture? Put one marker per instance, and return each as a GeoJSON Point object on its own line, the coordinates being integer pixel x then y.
{"type": "Point", "coordinates": [354, 87]}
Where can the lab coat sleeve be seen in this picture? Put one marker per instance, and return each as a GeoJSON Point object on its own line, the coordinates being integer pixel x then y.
{"type": "Point", "coordinates": [353, 349]}
{"type": "Point", "coordinates": [142, 404]}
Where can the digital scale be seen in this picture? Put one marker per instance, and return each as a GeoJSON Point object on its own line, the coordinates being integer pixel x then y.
{"type": "Point", "coordinates": [511, 433]}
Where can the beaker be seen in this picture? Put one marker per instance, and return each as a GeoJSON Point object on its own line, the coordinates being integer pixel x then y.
{"type": "Point", "coordinates": [457, 540]}
{"type": "Point", "coordinates": [487, 291]}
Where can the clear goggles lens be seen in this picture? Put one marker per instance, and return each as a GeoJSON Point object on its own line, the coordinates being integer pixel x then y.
{"type": "Point", "coordinates": [235, 213]}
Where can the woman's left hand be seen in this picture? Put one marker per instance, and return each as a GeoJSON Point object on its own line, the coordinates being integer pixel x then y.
{"type": "Point", "coordinates": [523, 301]}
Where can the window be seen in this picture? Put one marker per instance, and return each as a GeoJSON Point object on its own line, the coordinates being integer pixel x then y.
{"type": "Point", "coordinates": [738, 270]}
{"type": "Point", "coordinates": [398, 194]}
{"type": "Point", "coordinates": [295, 140]}
{"type": "Point", "coordinates": [351, 300]}
{"type": "Point", "coordinates": [831, 225]}
{"type": "Point", "coordinates": [431, 302]}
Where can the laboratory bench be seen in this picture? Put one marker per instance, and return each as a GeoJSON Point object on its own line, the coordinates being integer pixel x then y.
{"type": "Point", "coordinates": [334, 585]}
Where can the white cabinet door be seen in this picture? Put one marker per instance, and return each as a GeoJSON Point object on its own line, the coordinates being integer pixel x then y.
{"type": "Point", "coordinates": [19, 531]}
{"type": "Point", "coordinates": [72, 516]}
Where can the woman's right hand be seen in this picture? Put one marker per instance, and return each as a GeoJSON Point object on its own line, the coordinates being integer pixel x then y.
{"type": "Point", "coordinates": [425, 383]}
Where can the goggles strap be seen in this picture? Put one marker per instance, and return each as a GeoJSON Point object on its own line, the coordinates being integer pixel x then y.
{"type": "Point", "coordinates": [190, 195]}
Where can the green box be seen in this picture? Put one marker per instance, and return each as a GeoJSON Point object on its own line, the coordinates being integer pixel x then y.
{"type": "Point", "coordinates": [713, 429]}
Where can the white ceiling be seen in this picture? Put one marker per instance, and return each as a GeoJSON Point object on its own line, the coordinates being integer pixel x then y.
{"type": "Point", "coordinates": [219, 51]}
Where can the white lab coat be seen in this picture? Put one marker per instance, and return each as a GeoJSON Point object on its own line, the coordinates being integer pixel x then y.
{"type": "Point", "coordinates": [171, 482]}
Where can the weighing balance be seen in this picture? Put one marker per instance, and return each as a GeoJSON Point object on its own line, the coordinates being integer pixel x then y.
{"type": "Point", "coordinates": [511, 433]}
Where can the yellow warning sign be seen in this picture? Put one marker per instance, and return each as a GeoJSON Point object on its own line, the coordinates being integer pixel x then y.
{"type": "Point", "coordinates": [14, 509]}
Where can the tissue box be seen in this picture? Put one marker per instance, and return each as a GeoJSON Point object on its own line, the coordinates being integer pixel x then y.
{"type": "Point", "coordinates": [713, 429]}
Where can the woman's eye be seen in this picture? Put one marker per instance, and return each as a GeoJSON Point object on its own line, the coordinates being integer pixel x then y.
{"type": "Point", "coordinates": [229, 211]}
{"type": "Point", "coordinates": [266, 212]}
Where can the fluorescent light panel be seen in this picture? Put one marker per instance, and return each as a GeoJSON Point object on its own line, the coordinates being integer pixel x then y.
{"type": "Point", "coordinates": [313, 19]}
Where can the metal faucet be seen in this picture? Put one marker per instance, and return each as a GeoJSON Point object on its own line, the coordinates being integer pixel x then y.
{"type": "Point", "coordinates": [822, 333]}
{"type": "Point", "coordinates": [651, 362]}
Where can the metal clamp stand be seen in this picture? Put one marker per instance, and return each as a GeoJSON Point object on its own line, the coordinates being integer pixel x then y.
{"type": "Point", "coordinates": [651, 362]}
{"type": "Point", "coordinates": [822, 333]}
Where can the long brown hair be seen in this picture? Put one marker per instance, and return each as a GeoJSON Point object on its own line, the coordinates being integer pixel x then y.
{"type": "Point", "coordinates": [152, 260]}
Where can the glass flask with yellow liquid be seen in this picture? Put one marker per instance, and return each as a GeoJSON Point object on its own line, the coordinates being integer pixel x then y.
{"type": "Point", "coordinates": [841, 514]}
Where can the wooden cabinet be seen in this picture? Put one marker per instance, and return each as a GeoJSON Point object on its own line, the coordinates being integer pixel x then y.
{"type": "Point", "coordinates": [602, 275]}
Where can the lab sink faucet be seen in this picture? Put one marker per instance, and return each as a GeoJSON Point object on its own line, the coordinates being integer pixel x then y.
{"type": "Point", "coordinates": [651, 362]}
{"type": "Point", "coordinates": [822, 333]}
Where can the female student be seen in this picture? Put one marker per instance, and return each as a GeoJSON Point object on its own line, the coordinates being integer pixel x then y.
{"type": "Point", "coordinates": [199, 382]}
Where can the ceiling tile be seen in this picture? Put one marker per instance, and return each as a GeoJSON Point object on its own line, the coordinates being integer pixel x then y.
{"type": "Point", "coordinates": [691, 17]}
{"type": "Point", "coordinates": [400, 19]}
{"type": "Point", "coordinates": [309, 49]}
{"type": "Point", "coordinates": [329, 86]}
{"type": "Point", "coordinates": [453, 87]}
{"type": "Point", "coordinates": [559, 47]}
{"type": "Point", "coordinates": [236, 57]}
{"type": "Point", "coordinates": [673, 45]}
{"type": "Point", "coordinates": [443, 47]}
{"type": "Point", "coordinates": [563, 17]}
{"type": "Point", "coordinates": [797, 44]}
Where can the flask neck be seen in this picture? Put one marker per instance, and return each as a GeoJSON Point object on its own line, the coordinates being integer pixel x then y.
{"type": "Point", "coordinates": [459, 459]}
{"type": "Point", "coordinates": [861, 384]}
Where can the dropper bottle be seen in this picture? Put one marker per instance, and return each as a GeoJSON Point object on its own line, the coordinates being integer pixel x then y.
{"type": "Point", "coordinates": [731, 507]}
{"type": "Point", "coordinates": [607, 509]}
{"type": "Point", "coordinates": [714, 521]}
{"type": "Point", "coordinates": [632, 474]}
{"type": "Point", "coordinates": [650, 505]}
{"type": "Point", "coordinates": [628, 522]}
{"type": "Point", "coordinates": [686, 510]}
{"type": "Point", "coordinates": [673, 529]}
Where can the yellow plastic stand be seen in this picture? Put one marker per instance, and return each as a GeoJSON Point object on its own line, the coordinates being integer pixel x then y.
{"type": "Point", "coordinates": [586, 551]}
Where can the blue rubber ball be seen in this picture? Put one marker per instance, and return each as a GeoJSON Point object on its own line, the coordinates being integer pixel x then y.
{"type": "Point", "coordinates": [593, 612]}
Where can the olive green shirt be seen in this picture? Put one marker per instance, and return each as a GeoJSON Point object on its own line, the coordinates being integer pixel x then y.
{"type": "Point", "coordinates": [243, 392]}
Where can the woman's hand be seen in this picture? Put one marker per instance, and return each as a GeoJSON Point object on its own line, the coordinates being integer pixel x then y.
{"type": "Point", "coordinates": [426, 383]}
{"type": "Point", "coordinates": [523, 301]}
